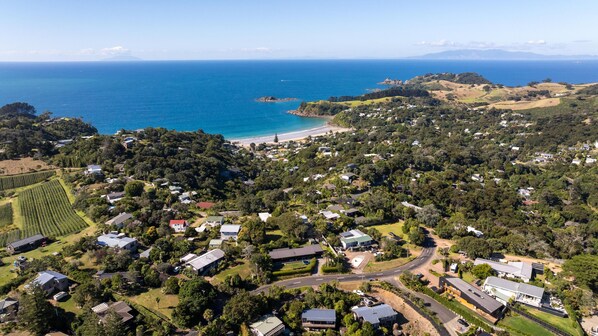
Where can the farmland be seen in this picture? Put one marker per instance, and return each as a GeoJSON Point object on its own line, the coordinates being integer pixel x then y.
{"type": "Point", "coordinates": [22, 180]}
{"type": "Point", "coordinates": [46, 209]}
{"type": "Point", "coordinates": [5, 215]}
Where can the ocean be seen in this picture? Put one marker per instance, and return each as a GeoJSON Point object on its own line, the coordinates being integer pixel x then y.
{"type": "Point", "coordinates": [219, 96]}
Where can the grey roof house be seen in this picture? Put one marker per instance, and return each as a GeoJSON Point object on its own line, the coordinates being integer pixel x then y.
{"type": "Point", "coordinates": [25, 244]}
{"type": "Point", "coordinates": [267, 326]}
{"type": "Point", "coordinates": [472, 295]}
{"type": "Point", "coordinates": [511, 269]}
{"type": "Point", "coordinates": [318, 319]}
{"type": "Point", "coordinates": [283, 254]}
{"type": "Point", "coordinates": [119, 219]}
{"type": "Point", "coordinates": [50, 281]}
{"type": "Point", "coordinates": [376, 315]}
{"type": "Point", "coordinates": [504, 290]}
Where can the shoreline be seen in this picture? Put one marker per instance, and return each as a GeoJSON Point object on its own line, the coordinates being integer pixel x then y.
{"type": "Point", "coordinates": [291, 136]}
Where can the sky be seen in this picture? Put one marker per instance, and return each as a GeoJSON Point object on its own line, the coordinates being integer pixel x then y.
{"type": "Point", "coordinates": [60, 30]}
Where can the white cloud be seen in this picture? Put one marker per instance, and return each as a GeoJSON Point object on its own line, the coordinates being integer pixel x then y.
{"type": "Point", "coordinates": [115, 51]}
{"type": "Point", "coordinates": [536, 42]}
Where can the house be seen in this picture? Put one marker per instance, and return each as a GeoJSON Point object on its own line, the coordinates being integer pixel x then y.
{"type": "Point", "coordinates": [476, 232]}
{"type": "Point", "coordinates": [287, 254]}
{"type": "Point", "coordinates": [576, 162]}
{"type": "Point", "coordinates": [348, 177]}
{"type": "Point", "coordinates": [352, 212]}
{"type": "Point", "coordinates": [318, 319]}
{"type": "Point", "coordinates": [93, 170]}
{"type": "Point", "coordinates": [50, 281]}
{"type": "Point", "coordinates": [120, 308]}
{"type": "Point", "coordinates": [119, 219]}
{"type": "Point", "coordinates": [409, 205]}
{"type": "Point", "coordinates": [471, 296]}
{"type": "Point", "coordinates": [264, 216]}
{"type": "Point", "coordinates": [8, 309]}
{"type": "Point", "coordinates": [178, 225]}
{"type": "Point", "coordinates": [205, 262]}
{"type": "Point", "coordinates": [215, 243]}
{"type": "Point", "coordinates": [376, 315]}
{"type": "Point", "coordinates": [505, 290]}
{"type": "Point", "coordinates": [118, 241]}
{"type": "Point", "coordinates": [26, 244]}
{"type": "Point", "coordinates": [267, 326]}
{"type": "Point", "coordinates": [329, 215]}
{"type": "Point", "coordinates": [511, 269]}
{"type": "Point", "coordinates": [214, 221]}
{"type": "Point", "coordinates": [229, 231]}
{"type": "Point", "coordinates": [355, 238]}
{"type": "Point", "coordinates": [115, 197]}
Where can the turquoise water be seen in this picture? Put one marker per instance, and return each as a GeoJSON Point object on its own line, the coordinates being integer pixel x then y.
{"type": "Point", "coordinates": [219, 96]}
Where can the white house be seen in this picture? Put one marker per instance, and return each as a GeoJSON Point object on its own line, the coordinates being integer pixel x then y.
{"type": "Point", "coordinates": [267, 326]}
{"type": "Point", "coordinates": [229, 231]}
{"type": "Point", "coordinates": [178, 225]}
{"type": "Point", "coordinates": [118, 241]}
{"type": "Point", "coordinates": [264, 216]}
{"type": "Point", "coordinates": [355, 238]}
{"type": "Point", "coordinates": [505, 290]}
{"type": "Point", "coordinates": [511, 269]}
{"type": "Point", "coordinates": [205, 262]}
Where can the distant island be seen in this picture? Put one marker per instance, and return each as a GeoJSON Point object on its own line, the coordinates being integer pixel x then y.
{"type": "Point", "coordinates": [498, 54]}
{"type": "Point", "coordinates": [272, 99]}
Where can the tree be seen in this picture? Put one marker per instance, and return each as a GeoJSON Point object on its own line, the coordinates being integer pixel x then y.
{"type": "Point", "coordinates": [171, 286]}
{"type": "Point", "coordinates": [134, 188]}
{"type": "Point", "coordinates": [35, 312]}
{"type": "Point", "coordinates": [208, 315]}
{"type": "Point", "coordinates": [417, 235]}
{"type": "Point", "coordinates": [584, 268]}
{"type": "Point", "coordinates": [482, 271]}
{"type": "Point", "coordinates": [243, 307]}
{"type": "Point", "coordinates": [253, 231]}
{"type": "Point", "coordinates": [276, 137]}
{"type": "Point", "coordinates": [474, 247]}
{"type": "Point", "coordinates": [113, 325]}
{"type": "Point", "coordinates": [429, 215]}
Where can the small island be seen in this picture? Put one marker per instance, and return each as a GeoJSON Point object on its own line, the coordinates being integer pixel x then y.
{"type": "Point", "coordinates": [272, 99]}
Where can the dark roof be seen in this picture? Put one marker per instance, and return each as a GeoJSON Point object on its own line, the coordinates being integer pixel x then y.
{"type": "Point", "coordinates": [26, 241]}
{"type": "Point", "coordinates": [319, 315]}
{"type": "Point", "coordinates": [285, 253]}
{"type": "Point", "coordinates": [476, 297]}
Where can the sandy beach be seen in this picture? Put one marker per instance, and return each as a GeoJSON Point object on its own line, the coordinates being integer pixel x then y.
{"type": "Point", "coordinates": [291, 136]}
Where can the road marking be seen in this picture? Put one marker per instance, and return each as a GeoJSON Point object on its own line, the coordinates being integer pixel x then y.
{"type": "Point", "coordinates": [319, 279]}
{"type": "Point", "coordinates": [296, 282]}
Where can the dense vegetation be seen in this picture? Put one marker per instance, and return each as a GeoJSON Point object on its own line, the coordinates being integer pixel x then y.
{"type": "Point", "coordinates": [461, 78]}
{"type": "Point", "coordinates": [22, 180]}
{"type": "Point", "coordinates": [22, 132]}
{"type": "Point", "coordinates": [403, 91]}
{"type": "Point", "coordinates": [46, 210]}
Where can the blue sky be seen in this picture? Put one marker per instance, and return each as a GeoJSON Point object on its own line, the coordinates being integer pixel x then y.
{"type": "Point", "coordinates": [60, 30]}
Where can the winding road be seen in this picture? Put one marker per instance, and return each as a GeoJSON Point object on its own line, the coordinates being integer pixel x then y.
{"type": "Point", "coordinates": [429, 249]}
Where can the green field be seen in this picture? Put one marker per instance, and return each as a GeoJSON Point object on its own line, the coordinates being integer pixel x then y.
{"type": "Point", "coordinates": [385, 229]}
{"type": "Point", "coordinates": [22, 180]}
{"type": "Point", "coordinates": [5, 215]}
{"type": "Point", "coordinates": [520, 326]}
{"type": "Point", "coordinates": [563, 323]}
{"type": "Point", "coordinates": [46, 209]}
{"type": "Point", "coordinates": [9, 236]}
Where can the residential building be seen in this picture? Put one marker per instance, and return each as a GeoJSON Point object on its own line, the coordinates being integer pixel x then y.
{"type": "Point", "coordinates": [267, 326]}
{"type": "Point", "coordinates": [215, 243]}
{"type": "Point", "coordinates": [205, 205]}
{"type": "Point", "coordinates": [50, 281]}
{"type": "Point", "coordinates": [93, 170]}
{"type": "Point", "coordinates": [178, 225]}
{"type": "Point", "coordinates": [511, 269]}
{"type": "Point", "coordinates": [115, 197]}
{"type": "Point", "coordinates": [264, 216]}
{"type": "Point", "coordinates": [471, 297]}
{"type": "Point", "coordinates": [119, 219]}
{"type": "Point", "coordinates": [355, 238]}
{"type": "Point", "coordinates": [318, 319]}
{"type": "Point", "coordinates": [229, 231]}
{"type": "Point", "coordinates": [476, 232]}
{"type": "Point", "coordinates": [26, 244]}
{"type": "Point", "coordinates": [205, 262]}
{"type": "Point", "coordinates": [118, 241]}
{"type": "Point", "coordinates": [287, 254]}
{"type": "Point", "coordinates": [348, 177]}
{"type": "Point", "coordinates": [8, 309]}
{"type": "Point", "coordinates": [329, 215]}
{"type": "Point", "coordinates": [376, 315]}
{"type": "Point", "coordinates": [120, 308]}
{"type": "Point", "coordinates": [505, 290]}
{"type": "Point", "coordinates": [214, 221]}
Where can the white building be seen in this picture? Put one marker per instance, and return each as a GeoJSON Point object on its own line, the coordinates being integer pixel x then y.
{"type": "Point", "coordinates": [476, 232]}
{"type": "Point", "coordinates": [205, 262]}
{"type": "Point", "coordinates": [178, 225]}
{"type": "Point", "coordinates": [511, 269]}
{"type": "Point", "coordinates": [118, 241]}
{"type": "Point", "coordinates": [267, 326]}
{"type": "Point", "coordinates": [505, 290]}
{"type": "Point", "coordinates": [229, 231]}
{"type": "Point", "coordinates": [264, 216]}
{"type": "Point", "coordinates": [355, 238]}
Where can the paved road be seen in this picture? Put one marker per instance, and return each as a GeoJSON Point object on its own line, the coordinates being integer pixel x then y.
{"type": "Point", "coordinates": [443, 313]}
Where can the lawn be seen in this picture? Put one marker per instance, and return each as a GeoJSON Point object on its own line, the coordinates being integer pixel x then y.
{"type": "Point", "coordinates": [273, 235]}
{"type": "Point", "coordinates": [290, 265]}
{"type": "Point", "coordinates": [518, 325]}
{"type": "Point", "coordinates": [242, 269]}
{"type": "Point", "coordinates": [395, 228]}
{"type": "Point", "coordinates": [148, 300]}
{"type": "Point", "coordinates": [563, 323]}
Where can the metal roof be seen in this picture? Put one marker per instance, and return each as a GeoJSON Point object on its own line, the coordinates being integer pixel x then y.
{"type": "Point", "coordinates": [206, 259]}
{"type": "Point", "coordinates": [267, 324]}
{"type": "Point", "coordinates": [479, 298]}
{"type": "Point", "coordinates": [319, 315]}
{"type": "Point", "coordinates": [515, 287]}
{"type": "Point", "coordinates": [26, 241]}
{"type": "Point", "coordinates": [375, 313]}
{"type": "Point", "coordinates": [119, 219]}
{"type": "Point", "coordinates": [285, 253]}
{"type": "Point", "coordinates": [516, 268]}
